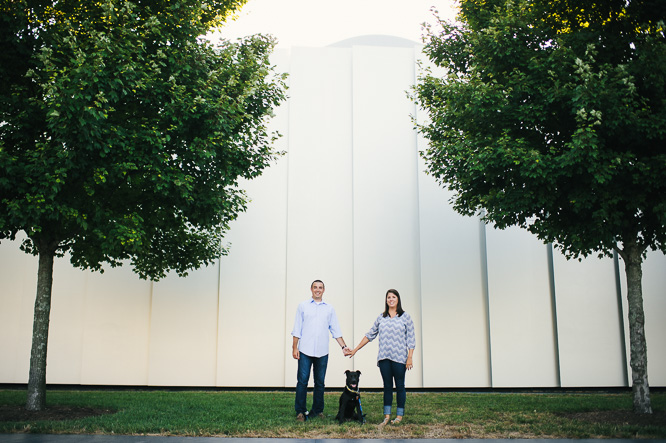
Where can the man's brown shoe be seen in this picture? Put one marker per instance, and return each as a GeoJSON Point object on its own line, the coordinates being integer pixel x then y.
{"type": "Point", "coordinates": [300, 417]}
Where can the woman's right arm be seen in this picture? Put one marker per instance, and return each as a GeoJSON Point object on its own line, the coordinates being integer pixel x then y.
{"type": "Point", "coordinates": [367, 338]}
{"type": "Point", "coordinates": [364, 341]}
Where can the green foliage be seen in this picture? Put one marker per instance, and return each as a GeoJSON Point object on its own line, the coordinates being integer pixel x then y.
{"type": "Point", "coordinates": [551, 116]}
{"type": "Point", "coordinates": [124, 133]}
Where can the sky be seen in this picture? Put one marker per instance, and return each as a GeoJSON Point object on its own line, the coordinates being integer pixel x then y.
{"type": "Point", "coordinates": [315, 23]}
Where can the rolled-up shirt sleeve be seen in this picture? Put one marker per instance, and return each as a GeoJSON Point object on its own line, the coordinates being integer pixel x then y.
{"type": "Point", "coordinates": [334, 325]}
{"type": "Point", "coordinates": [297, 331]}
{"type": "Point", "coordinates": [374, 330]}
{"type": "Point", "coordinates": [410, 335]}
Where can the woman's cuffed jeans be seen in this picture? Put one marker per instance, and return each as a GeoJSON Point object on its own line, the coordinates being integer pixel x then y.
{"type": "Point", "coordinates": [392, 371]}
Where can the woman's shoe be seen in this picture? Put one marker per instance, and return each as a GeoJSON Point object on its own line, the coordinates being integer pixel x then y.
{"type": "Point", "coordinates": [396, 421]}
{"type": "Point", "coordinates": [384, 423]}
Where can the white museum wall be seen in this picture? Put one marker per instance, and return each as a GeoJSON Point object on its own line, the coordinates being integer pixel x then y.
{"type": "Point", "coordinates": [18, 286]}
{"type": "Point", "coordinates": [68, 319]}
{"type": "Point", "coordinates": [386, 220]}
{"type": "Point", "coordinates": [589, 322]}
{"type": "Point", "coordinates": [453, 295]}
{"type": "Point", "coordinates": [455, 307]}
{"type": "Point", "coordinates": [191, 304]}
{"type": "Point", "coordinates": [349, 204]}
{"type": "Point", "coordinates": [319, 206]}
{"type": "Point", "coordinates": [116, 329]}
{"type": "Point", "coordinates": [522, 339]}
{"type": "Point", "coordinates": [252, 294]}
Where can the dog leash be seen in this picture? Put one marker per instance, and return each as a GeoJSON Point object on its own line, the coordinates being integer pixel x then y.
{"type": "Point", "coordinates": [358, 397]}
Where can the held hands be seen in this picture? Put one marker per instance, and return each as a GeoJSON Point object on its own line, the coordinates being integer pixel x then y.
{"type": "Point", "coordinates": [364, 341]}
{"type": "Point", "coordinates": [346, 351]}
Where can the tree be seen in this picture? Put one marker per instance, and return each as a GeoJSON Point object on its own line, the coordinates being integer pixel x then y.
{"type": "Point", "coordinates": [124, 134]}
{"type": "Point", "coordinates": [551, 116]}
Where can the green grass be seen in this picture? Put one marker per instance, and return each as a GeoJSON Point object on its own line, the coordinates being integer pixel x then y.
{"type": "Point", "coordinates": [271, 414]}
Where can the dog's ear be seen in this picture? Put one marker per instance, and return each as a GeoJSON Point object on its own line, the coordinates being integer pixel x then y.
{"type": "Point", "coordinates": [358, 372]}
{"type": "Point", "coordinates": [347, 371]}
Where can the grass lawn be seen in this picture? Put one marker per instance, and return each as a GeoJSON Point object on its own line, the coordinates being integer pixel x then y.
{"type": "Point", "coordinates": [271, 414]}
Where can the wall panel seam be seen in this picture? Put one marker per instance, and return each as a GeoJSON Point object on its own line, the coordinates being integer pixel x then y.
{"type": "Point", "coordinates": [483, 252]}
{"type": "Point", "coordinates": [620, 311]}
{"type": "Point", "coordinates": [553, 310]}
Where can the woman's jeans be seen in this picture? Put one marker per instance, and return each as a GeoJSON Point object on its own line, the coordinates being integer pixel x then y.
{"type": "Point", "coordinates": [318, 365]}
{"type": "Point", "coordinates": [393, 371]}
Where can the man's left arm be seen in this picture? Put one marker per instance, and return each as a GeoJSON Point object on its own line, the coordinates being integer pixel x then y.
{"type": "Point", "coordinates": [336, 332]}
{"type": "Point", "coordinates": [296, 333]}
{"type": "Point", "coordinates": [345, 349]}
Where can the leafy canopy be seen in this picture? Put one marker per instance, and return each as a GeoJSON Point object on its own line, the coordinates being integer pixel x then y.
{"type": "Point", "coordinates": [124, 133]}
{"type": "Point", "coordinates": [551, 116]}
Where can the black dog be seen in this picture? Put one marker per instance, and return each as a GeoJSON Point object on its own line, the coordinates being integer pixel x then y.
{"type": "Point", "coordinates": [350, 400]}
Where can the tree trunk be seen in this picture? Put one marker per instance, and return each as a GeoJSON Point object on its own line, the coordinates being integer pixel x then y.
{"type": "Point", "coordinates": [40, 334]}
{"type": "Point", "coordinates": [639, 376]}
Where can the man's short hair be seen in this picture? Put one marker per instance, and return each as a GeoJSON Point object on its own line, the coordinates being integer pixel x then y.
{"type": "Point", "coordinates": [318, 281]}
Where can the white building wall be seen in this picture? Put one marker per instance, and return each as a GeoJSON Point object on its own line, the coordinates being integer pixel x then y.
{"type": "Point", "coordinates": [349, 204]}
{"type": "Point", "coordinates": [192, 305]}
{"type": "Point", "coordinates": [521, 323]}
{"type": "Point", "coordinates": [18, 286]}
{"type": "Point", "coordinates": [589, 323]}
{"type": "Point", "coordinates": [454, 304]}
{"type": "Point", "coordinates": [386, 218]}
{"type": "Point", "coordinates": [319, 206]}
{"type": "Point", "coordinates": [252, 279]}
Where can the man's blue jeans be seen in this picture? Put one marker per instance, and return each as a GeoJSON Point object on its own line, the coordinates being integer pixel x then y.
{"type": "Point", "coordinates": [318, 366]}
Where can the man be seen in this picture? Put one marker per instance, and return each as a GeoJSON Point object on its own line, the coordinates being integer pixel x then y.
{"type": "Point", "coordinates": [314, 320]}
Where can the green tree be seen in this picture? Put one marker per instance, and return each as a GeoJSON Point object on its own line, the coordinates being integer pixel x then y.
{"type": "Point", "coordinates": [123, 136]}
{"type": "Point", "coordinates": [551, 116]}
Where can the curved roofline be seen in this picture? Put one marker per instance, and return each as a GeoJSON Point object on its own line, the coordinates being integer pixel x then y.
{"type": "Point", "coordinates": [376, 40]}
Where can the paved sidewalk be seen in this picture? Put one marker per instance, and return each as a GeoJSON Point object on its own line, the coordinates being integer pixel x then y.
{"type": "Point", "coordinates": [55, 438]}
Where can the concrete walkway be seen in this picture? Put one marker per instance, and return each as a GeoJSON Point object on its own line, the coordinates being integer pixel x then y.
{"type": "Point", "coordinates": [53, 438]}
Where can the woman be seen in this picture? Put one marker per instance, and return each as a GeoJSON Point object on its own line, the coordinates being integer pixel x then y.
{"type": "Point", "coordinates": [396, 347]}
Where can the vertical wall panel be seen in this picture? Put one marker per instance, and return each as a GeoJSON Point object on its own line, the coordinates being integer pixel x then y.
{"type": "Point", "coordinates": [252, 288]}
{"type": "Point", "coordinates": [116, 329]}
{"type": "Point", "coordinates": [386, 225]}
{"type": "Point", "coordinates": [68, 298]}
{"type": "Point", "coordinates": [588, 322]}
{"type": "Point", "coordinates": [456, 351]}
{"type": "Point", "coordinates": [183, 329]}
{"type": "Point", "coordinates": [521, 322]}
{"type": "Point", "coordinates": [319, 232]}
{"type": "Point", "coordinates": [252, 276]}
{"type": "Point", "coordinates": [18, 286]}
{"type": "Point", "coordinates": [455, 328]}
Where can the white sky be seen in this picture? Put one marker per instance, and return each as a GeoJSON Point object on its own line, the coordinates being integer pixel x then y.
{"type": "Point", "coordinates": [323, 22]}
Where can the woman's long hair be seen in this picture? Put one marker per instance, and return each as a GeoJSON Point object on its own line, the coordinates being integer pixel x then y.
{"type": "Point", "coordinates": [386, 306]}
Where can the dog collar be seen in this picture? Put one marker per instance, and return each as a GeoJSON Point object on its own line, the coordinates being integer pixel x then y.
{"type": "Point", "coordinates": [350, 390]}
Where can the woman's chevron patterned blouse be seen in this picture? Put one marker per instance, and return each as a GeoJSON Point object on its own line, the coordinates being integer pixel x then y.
{"type": "Point", "coordinates": [396, 336]}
